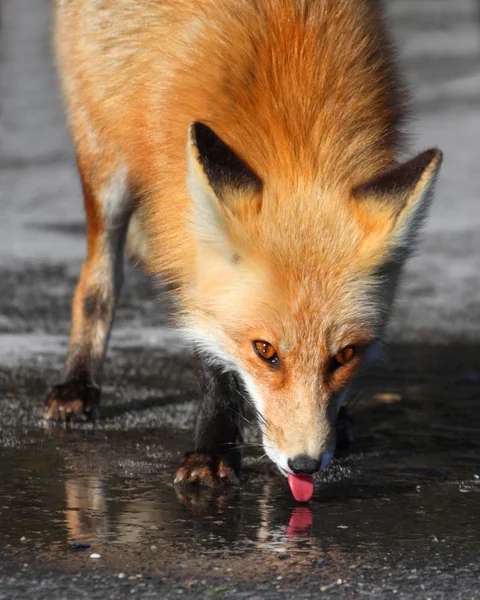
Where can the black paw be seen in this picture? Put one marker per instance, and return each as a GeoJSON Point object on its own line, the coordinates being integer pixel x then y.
{"type": "Point", "coordinates": [203, 468]}
{"type": "Point", "coordinates": [72, 401]}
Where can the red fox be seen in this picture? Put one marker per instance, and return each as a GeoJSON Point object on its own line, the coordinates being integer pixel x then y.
{"type": "Point", "coordinates": [253, 148]}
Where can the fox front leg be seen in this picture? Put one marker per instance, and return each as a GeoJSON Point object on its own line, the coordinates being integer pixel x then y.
{"type": "Point", "coordinates": [108, 207]}
{"type": "Point", "coordinates": [216, 458]}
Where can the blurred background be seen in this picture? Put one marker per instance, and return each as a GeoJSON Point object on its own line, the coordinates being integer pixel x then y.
{"type": "Point", "coordinates": [41, 210]}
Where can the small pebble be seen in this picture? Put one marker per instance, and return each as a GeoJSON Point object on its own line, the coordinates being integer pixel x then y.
{"type": "Point", "coordinates": [94, 555]}
{"type": "Point", "coordinates": [342, 526]}
{"type": "Point", "coordinates": [325, 588]}
{"type": "Point", "coordinates": [121, 575]}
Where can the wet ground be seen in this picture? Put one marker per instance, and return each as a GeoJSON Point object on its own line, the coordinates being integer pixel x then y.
{"type": "Point", "coordinates": [397, 516]}
{"type": "Point", "coordinates": [91, 512]}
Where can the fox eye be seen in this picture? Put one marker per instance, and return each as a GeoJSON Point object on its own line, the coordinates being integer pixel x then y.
{"type": "Point", "coordinates": [344, 356]}
{"type": "Point", "coordinates": [267, 353]}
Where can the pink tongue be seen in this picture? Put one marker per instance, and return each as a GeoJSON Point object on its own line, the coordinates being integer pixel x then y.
{"type": "Point", "coordinates": [301, 486]}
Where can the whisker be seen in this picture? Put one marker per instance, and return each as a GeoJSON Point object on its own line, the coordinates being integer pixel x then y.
{"type": "Point", "coordinates": [250, 445]}
{"type": "Point", "coordinates": [259, 416]}
{"type": "Point", "coordinates": [241, 416]}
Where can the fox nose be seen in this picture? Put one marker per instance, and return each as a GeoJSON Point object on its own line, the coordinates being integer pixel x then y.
{"type": "Point", "coordinates": [304, 464]}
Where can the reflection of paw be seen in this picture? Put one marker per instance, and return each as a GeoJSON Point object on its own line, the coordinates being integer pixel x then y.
{"type": "Point", "coordinates": [197, 500]}
{"type": "Point", "coordinates": [206, 469]}
{"type": "Point", "coordinates": [72, 401]}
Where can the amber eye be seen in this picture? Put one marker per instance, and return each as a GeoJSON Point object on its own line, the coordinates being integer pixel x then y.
{"type": "Point", "coordinates": [344, 356]}
{"type": "Point", "coordinates": [266, 352]}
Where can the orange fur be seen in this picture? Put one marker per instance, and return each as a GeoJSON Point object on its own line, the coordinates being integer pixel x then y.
{"type": "Point", "coordinates": [303, 91]}
{"type": "Point", "coordinates": [305, 94]}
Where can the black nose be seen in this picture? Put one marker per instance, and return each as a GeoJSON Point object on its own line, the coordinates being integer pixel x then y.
{"type": "Point", "coordinates": [304, 464]}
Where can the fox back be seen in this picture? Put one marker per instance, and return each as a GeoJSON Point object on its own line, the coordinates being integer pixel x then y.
{"type": "Point", "coordinates": [260, 140]}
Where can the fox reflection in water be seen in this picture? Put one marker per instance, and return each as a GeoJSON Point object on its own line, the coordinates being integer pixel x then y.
{"type": "Point", "coordinates": [92, 514]}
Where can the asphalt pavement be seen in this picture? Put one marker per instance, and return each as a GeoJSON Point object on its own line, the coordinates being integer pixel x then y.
{"type": "Point", "coordinates": [91, 512]}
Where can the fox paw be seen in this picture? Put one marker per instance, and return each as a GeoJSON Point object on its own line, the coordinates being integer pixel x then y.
{"type": "Point", "coordinates": [72, 401]}
{"type": "Point", "coordinates": [205, 469]}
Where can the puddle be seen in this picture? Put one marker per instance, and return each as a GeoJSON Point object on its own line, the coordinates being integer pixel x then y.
{"type": "Point", "coordinates": [409, 491]}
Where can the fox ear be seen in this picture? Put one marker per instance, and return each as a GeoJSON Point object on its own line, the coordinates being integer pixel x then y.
{"type": "Point", "coordinates": [218, 180]}
{"type": "Point", "coordinates": [402, 195]}
{"type": "Point", "coordinates": [224, 170]}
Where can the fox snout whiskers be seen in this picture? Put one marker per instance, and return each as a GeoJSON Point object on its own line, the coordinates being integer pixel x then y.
{"type": "Point", "coordinates": [307, 461]}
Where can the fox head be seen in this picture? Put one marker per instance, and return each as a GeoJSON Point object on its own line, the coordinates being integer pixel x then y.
{"type": "Point", "coordinates": [295, 281]}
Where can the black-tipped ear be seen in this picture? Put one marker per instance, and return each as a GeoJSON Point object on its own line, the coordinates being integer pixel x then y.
{"type": "Point", "coordinates": [222, 167]}
{"type": "Point", "coordinates": [398, 187]}
{"type": "Point", "coordinates": [402, 196]}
